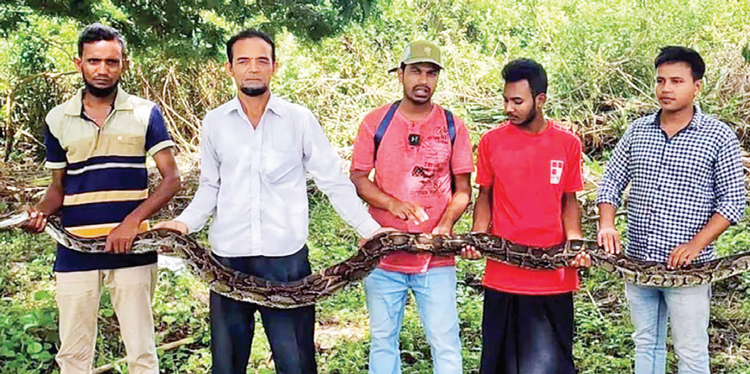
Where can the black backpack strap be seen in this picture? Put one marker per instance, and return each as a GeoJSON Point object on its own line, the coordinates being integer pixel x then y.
{"type": "Point", "coordinates": [451, 125]}
{"type": "Point", "coordinates": [384, 126]}
{"type": "Point", "coordinates": [452, 134]}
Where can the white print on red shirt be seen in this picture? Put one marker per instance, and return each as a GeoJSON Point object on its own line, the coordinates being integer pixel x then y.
{"type": "Point", "coordinates": [555, 171]}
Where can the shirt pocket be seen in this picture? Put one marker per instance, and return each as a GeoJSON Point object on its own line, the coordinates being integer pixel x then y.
{"type": "Point", "coordinates": [121, 144]}
{"type": "Point", "coordinates": [279, 165]}
{"type": "Point", "coordinates": [283, 159]}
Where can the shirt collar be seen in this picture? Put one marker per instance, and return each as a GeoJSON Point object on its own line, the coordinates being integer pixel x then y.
{"type": "Point", "coordinates": [695, 122]}
{"type": "Point", "coordinates": [274, 105]}
{"type": "Point", "coordinates": [75, 105]}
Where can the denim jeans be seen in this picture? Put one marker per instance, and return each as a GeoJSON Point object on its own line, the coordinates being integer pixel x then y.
{"type": "Point", "coordinates": [435, 292]}
{"type": "Point", "coordinates": [688, 310]}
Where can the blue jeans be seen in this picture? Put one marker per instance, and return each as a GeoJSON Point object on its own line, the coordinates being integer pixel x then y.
{"type": "Point", "coordinates": [435, 292]}
{"type": "Point", "coordinates": [688, 310]}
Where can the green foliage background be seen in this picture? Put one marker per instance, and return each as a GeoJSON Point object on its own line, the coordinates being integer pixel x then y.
{"type": "Point", "coordinates": [333, 59]}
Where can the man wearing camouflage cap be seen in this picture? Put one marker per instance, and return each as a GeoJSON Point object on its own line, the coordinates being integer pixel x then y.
{"type": "Point", "coordinates": [423, 166]}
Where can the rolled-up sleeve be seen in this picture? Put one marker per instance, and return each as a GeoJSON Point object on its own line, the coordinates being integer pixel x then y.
{"type": "Point", "coordinates": [729, 184]}
{"type": "Point", "coordinates": [617, 173]}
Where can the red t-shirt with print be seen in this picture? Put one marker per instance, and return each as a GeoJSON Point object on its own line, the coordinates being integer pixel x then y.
{"type": "Point", "coordinates": [528, 174]}
{"type": "Point", "coordinates": [420, 174]}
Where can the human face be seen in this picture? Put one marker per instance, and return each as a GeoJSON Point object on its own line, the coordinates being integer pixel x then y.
{"type": "Point", "coordinates": [520, 105]}
{"type": "Point", "coordinates": [675, 87]}
{"type": "Point", "coordinates": [419, 81]}
{"type": "Point", "coordinates": [252, 66]}
{"type": "Point", "coordinates": [101, 65]}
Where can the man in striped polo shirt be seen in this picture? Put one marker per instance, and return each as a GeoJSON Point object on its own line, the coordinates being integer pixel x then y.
{"type": "Point", "coordinates": [97, 143]}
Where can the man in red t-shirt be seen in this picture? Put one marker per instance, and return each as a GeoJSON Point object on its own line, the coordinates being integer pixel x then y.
{"type": "Point", "coordinates": [528, 170]}
{"type": "Point", "coordinates": [424, 150]}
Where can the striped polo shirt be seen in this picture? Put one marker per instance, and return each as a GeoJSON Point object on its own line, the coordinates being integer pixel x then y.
{"type": "Point", "coordinates": [105, 172]}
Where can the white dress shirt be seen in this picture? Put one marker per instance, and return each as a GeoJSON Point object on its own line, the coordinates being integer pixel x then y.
{"type": "Point", "coordinates": [253, 181]}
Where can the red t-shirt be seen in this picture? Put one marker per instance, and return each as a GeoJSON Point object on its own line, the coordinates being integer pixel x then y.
{"type": "Point", "coordinates": [418, 174]}
{"type": "Point", "coordinates": [528, 174]}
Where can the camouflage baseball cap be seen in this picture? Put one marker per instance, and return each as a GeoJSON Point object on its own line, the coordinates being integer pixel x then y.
{"type": "Point", "coordinates": [419, 51]}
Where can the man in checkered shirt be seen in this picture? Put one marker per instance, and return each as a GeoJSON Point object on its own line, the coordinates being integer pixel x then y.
{"type": "Point", "coordinates": [686, 188]}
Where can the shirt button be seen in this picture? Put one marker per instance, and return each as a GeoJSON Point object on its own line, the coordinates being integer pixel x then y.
{"type": "Point", "coordinates": [119, 137]}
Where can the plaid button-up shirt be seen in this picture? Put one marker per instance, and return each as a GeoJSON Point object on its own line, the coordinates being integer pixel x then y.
{"type": "Point", "coordinates": [676, 184]}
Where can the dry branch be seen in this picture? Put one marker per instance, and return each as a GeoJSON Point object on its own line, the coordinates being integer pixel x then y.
{"type": "Point", "coordinates": [162, 348]}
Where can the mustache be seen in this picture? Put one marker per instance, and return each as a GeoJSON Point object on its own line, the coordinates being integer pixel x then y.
{"type": "Point", "coordinates": [99, 92]}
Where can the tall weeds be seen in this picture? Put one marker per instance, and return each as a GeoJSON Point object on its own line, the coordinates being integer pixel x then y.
{"type": "Point", "coordinates": [598, 55]}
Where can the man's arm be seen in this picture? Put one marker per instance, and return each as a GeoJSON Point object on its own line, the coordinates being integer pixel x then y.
{"type": "Point", "coordinates": [205, 199]}
{"type": "Point", "coordinates": [730, 203]}
{"type": "Point", "coordinates": [374, 196]}
{"type": "Point", "coordinates": [571, 216]}
{"type": "Point", "coordinates": [54, 197]}
{"type": "Point", "coordinates": [121, 237]}
{"type": "Point", "coordinates": [325, 166]}
{"type": "Point", "coordinates": [570, 211]}
{"type": "Point", "coordinates": [608, 237]}
{"type": "Point", "coordinates": [485, 178]}
{"type": "Point", "coordinates": [685, 253]}
{"type": "Point", "coordinates": [461, 167]}
{"type": "Point", "coordinates": [616, 177]}
{"type": "Point", "coordinates": [459, 201]}
{"type": "Point", "coordinates": [48, 205]}
{"type": "Point", "coordinates": [482, 210]}
{"type": "Point", "coordinates": [482, 219]}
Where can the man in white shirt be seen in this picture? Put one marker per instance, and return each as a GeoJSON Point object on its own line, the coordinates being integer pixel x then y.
{"type": "Point", "coordinates": [255, 153]}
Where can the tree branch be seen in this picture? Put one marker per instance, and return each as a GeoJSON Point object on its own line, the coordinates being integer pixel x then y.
{"type": "Point", "coordinates": [165, 347]}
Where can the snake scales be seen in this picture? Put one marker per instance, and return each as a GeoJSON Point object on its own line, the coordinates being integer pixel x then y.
{"type": "Point", "coordinates": [308, 290]}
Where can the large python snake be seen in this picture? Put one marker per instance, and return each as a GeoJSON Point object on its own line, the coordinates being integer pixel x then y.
{"type": "Point", "coordinates": [309, 290]}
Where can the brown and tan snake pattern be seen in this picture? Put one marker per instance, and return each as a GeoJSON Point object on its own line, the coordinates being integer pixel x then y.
{"type": "Point", "coordinates": [312, 288]}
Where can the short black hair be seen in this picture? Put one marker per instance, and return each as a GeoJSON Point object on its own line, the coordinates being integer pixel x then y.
{"type": "Point", "coordinates": [529, 70]}
{"type": "Point", "coordinates": [248, 34]}
{"type": "Point", "coordinates": [671, 54]}
{"type": "Point", "coordinates": [97, 32]}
